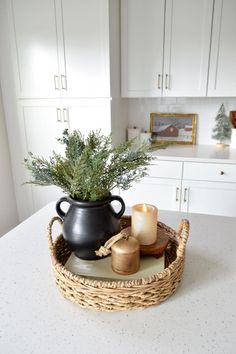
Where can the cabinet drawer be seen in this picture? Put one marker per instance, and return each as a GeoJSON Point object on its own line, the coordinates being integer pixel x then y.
{"type": "Point", "coordinates": [166, 169]}
{"type": "Point", "coordinates": [209, 172]}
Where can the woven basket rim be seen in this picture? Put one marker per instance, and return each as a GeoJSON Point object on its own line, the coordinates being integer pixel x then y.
{"type": "Point", "coordinates": [179, 237]}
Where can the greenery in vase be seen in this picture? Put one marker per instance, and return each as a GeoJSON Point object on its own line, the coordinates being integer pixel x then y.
{"type": "Point", "coordinates": [91, 167]}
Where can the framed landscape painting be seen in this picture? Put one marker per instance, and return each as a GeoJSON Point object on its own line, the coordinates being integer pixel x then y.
{"type": "Point", "coordinates": [173, 128]}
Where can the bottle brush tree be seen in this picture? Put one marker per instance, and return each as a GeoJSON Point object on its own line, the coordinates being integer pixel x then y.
{"type": "Point", "coordinates": [223, 128]}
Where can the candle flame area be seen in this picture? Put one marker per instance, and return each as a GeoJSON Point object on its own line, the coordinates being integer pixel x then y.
{"type": "Point", "coordinates": [144, 208]}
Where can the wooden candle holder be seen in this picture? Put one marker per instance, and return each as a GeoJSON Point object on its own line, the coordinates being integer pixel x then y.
{"type": "Point", "coordinates": [158, 248]}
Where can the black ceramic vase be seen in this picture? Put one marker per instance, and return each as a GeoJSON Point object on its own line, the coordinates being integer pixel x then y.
{"type": "Point", "coordinates": [88, 225]}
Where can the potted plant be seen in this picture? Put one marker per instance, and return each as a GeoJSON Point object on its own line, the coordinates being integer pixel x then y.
{"type": "Point", "coordinates": [88, 172]}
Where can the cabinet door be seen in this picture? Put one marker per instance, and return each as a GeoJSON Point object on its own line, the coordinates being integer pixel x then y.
{"type": "Point", "coordinates": [36, 45]}
{"type": "Point", "coordinates": [142, 34]}
{"type": "Point", "coordinates": [86, 43]}
{"type": "Point", "coordinates": [163, 193]}
{"type": "Point", "coordinates": [43, 125]}
{"type": "Point", "coordinates": [222, 72]}
{"type": "Point", "coordinates": [86, 115]}
{"type": "Point", "coordinates": [187, 47]}
{"type": "Point", "coordinates": [209, 198]}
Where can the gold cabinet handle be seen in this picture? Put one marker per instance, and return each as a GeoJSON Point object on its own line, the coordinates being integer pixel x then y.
{"type": "Point", "coordinates": [59, 115]}
{"type": "Point", "coordinates": [56, 82]}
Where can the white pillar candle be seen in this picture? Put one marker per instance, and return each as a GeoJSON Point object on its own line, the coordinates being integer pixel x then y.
{"type": "Point", "coordinates": [144, 223]}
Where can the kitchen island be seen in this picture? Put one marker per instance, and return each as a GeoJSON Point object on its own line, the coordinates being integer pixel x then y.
{"type": "Point", "coordinates": [199, 318]}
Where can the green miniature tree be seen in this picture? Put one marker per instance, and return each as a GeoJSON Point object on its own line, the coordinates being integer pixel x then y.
{"type": "Point", "coordinates": [223, 127]}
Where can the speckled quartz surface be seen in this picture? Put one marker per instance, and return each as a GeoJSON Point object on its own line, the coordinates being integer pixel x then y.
{"type": "Point", "coordinates": [198, 153]}
{"type": "Point", "coordinates": [199, 318]}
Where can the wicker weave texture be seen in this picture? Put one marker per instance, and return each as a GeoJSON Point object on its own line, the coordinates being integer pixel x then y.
{"type": "Point", "coordinates": [121, 295]}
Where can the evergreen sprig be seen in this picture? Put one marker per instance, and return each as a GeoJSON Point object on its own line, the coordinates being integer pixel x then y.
{"type": "Point", "coordinates": [91, 167]}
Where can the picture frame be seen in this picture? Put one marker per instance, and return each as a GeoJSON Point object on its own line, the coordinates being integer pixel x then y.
{"type": "Point", "coordinates": [173, 128]}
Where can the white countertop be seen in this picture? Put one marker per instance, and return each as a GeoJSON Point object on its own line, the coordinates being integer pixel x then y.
{"type": "Point", "coordinates": [197, 153]}
{"type": "Point", "coordinates": [199, 318]}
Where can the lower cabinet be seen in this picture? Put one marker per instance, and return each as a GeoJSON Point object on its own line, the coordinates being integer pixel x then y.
{"type": "Point", "coordinates": [164, 193]}
{"type": "Point", "coordinates": [209, 198]}
{"type": "Point", "coordinates": [209, 188]}
{"type": "Point", "coordinates": [42, 123]}
{"type": "Point", "coordinates": [205, 188]}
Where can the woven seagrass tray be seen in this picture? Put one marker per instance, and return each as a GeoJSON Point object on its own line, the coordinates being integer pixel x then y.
{"type": "Point", "coordinates": [121, 295]}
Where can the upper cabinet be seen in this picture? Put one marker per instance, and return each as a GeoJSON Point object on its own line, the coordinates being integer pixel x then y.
{"type": "Point", "coordinates": [62, 48]}
{"type": "Point", "coordinates": [222, 73]}
{"type": "Point", "coordinates": [187, 47]}
{"type": "Point", "coordinates": [86, 44]}
{"type": "Point", "coordinates": [37, 48]}
{"type": "Point", "coordinates": [142, 26]}
{"type": "Point", "coordinates": [165, 47]}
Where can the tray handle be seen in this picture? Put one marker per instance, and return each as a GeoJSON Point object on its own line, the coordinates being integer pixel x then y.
{"type": "Point", "coordinates": [50, 239]}
{"type": "Point", "coordinates": [183, 234]}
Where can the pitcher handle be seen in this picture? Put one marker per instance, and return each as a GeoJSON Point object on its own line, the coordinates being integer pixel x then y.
{"type": "Point", "coordinates": [119, 199]}
{"type": "Point", "coordinates": [60, 212]}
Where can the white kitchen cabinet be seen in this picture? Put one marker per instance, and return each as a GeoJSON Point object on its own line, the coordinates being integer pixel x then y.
{"type": "Point", "coordinates": [142, 34]}
{"type": "Point", "coordinates": [36, 48]}
{"type": "Point", "coordinates": [222, 70]}
{"type": "Point", "coordinates": [163, 193]}
{"type": "Point", "coordinates": [213, 172]}
{"type": "Point", "coordinates": [195, 187]}
{"type": "Point", "coordinates": [209, 188]}
{"type": "Point", "coordinates": [56, 70]}
{"type": "Point", "coordinates": [44, 122]}
{"type": "Point", "coordinates": [87, 115]}
{"type": "Point", "coordinates": [43, 125]}
{"type": "Point", "coordinates": [164, 52]}
{"type": "Point", "coordinates": [162, 187]}
{"type": "Point", "coordinates": [62, 48]}
{"type": "Point", "coordinates": [213, 198]}
{"type": "Point", "coordinates": [187, 47]}
{"type": "Point", "coordinates": [86, 42]}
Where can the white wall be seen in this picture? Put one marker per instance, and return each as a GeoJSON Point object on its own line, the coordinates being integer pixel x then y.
{"type": "Point", "coordinates": [139, 110]}
{"type": "Point", "coordinates": [11, 111]}
{"type": "Point", "coordinates": [8, 212]}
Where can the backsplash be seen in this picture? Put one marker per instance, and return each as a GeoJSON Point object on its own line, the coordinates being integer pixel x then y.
{"type": "Point", "coordinates": [139, 110]}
